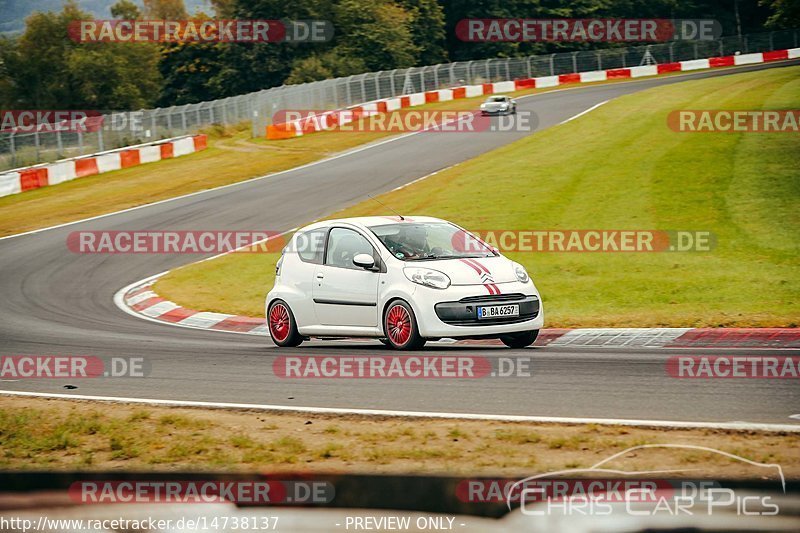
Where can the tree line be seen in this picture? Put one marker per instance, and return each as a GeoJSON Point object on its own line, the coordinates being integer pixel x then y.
{"type": "Point", "coordinates": [43, 69]}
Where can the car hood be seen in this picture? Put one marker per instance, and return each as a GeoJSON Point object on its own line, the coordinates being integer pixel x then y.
{"type": "Point", "coordinates": [479, 271]}
{"type": "Point", "coordinates": [494, 105]}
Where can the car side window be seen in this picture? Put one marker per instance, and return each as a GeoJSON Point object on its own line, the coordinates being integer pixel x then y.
{"type": "Point", "coordinates": [343, 245]}
{"type": "Point", "coordinates": [310, 245]}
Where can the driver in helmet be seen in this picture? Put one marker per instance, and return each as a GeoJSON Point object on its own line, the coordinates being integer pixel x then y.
{"type": "Point", "coordinates": [411, 241]}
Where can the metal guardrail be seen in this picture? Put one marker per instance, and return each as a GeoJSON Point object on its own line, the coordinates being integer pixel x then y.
{"type": "Point", "coordinates": [258, 107]}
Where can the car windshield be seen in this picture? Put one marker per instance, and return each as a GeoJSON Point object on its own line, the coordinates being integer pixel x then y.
{"type": "Point", "coordinates": [414, 241]}
{"type": "Point", "coordinates": [496, 99]}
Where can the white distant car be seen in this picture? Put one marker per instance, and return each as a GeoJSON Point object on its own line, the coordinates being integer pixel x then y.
{"type": "Point", "coordinates": [404, 280]}
{"type": "Point", "coordinates": [497, 104]}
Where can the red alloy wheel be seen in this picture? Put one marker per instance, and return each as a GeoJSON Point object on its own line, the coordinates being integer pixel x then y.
{"type": "Point", "coordinates": [398, 325]}
{"type": "Point", "coordinates": [279, 322]}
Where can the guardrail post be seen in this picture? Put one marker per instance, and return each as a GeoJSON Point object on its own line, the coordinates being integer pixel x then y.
{"type": "Point", "coordinates": [552, 64]}
{"type": "Point", "coordinates": [100, 143]}
{"type": "Point", "coordinates": [528, 63]}
{"type": "Point", "coordinates": [599, 60]}
{"type": "Point", "coordinates": [59, 143]}
{"type": "Point", "coordinates": [671, 53]}
{"type": "Point", "coordinates": [574, 61]}
{"type": "Point", "coordinates": [13, 147]}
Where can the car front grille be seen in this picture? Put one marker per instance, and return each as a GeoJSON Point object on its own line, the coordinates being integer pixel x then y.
{"type": "Point", "coordinates": [493, 298]}
{"type": "Point", "coordinates": [465, 311]}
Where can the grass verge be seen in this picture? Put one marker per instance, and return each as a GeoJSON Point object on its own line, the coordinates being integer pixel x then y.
{"type": "Point", "coordinates": [39, 434]}
{"type": "Point", "coordinates": [619, 167]}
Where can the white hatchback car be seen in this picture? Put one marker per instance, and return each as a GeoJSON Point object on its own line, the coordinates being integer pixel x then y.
{"type": "Point", "coordinates": [403, 280]}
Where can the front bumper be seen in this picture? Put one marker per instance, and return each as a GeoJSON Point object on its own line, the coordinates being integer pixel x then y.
{"type": "Point", "coordinates": [495, 111]}
{"type": "Point", "coordinates": [455, 312]}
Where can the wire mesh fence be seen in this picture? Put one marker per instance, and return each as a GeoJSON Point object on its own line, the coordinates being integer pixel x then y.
{"type": "Point", "coordinates": [124, 129]}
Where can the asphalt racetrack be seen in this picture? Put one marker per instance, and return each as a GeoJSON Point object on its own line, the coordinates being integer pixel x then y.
{"type": "Point", "coordinates": [55, 302]}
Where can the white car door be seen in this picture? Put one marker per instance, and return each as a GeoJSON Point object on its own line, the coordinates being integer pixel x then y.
{"type": "Point", "coordinates": [344, 294]}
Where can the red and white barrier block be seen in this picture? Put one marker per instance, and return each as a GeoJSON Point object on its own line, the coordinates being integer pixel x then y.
{"type": "Point", "coordinates": [26, 179]}
{"type": "Point", "coordinates": [312, 123]}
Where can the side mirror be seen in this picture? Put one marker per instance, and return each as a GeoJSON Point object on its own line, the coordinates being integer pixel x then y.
{"type": "Point", "coordinates": [364, 261]}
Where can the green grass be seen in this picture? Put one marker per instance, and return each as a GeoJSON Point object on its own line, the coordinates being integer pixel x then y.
{"type": "Point", "coordinates": [619, 167]}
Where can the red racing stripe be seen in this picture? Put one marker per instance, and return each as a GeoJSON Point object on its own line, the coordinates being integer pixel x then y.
{"type": "Point", "coordinates": [480, 266]}
{"type": "Point", "coordinates": [474, 267]}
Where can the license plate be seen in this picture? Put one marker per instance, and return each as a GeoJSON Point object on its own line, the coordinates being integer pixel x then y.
{"type": "Point", "coordinates": [498, 311]}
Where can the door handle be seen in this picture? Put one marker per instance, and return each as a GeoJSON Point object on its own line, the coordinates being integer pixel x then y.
{"type": "Point", "coordinates": [320, 276]}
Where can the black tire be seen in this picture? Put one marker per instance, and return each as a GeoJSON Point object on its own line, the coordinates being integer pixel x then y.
{"type": "Point", "coordinates": [400, 327]}
{"type": "Point", "coordinates": [282, 326]}
{"type": "Point", "coordinates": [520, 340]}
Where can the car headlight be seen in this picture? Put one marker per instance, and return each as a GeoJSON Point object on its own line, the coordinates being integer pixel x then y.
{"type": "Point", "coordinates": [504, 106]}
{"type": "Point", "coordinates": [427, 277]}
{"type": "Point", "coordinates": [522, 274]}
{"type": "Point", "coordinates": [483, 106]}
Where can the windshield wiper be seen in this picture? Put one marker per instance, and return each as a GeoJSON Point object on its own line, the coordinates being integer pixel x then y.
{"type": "Point", "coordinates": [426, 256]}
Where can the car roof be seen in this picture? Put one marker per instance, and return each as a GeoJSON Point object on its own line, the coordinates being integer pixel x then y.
{"type": "Point", "coordinates": [371, 221]}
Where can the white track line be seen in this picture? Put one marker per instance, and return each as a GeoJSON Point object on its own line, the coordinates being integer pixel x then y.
{"type": "Point", "coordinates": [583, 112]}
{"type": "Point", "coordinates": [743, 426]}
{"type": "Point", "coordinates": [333, 157]}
